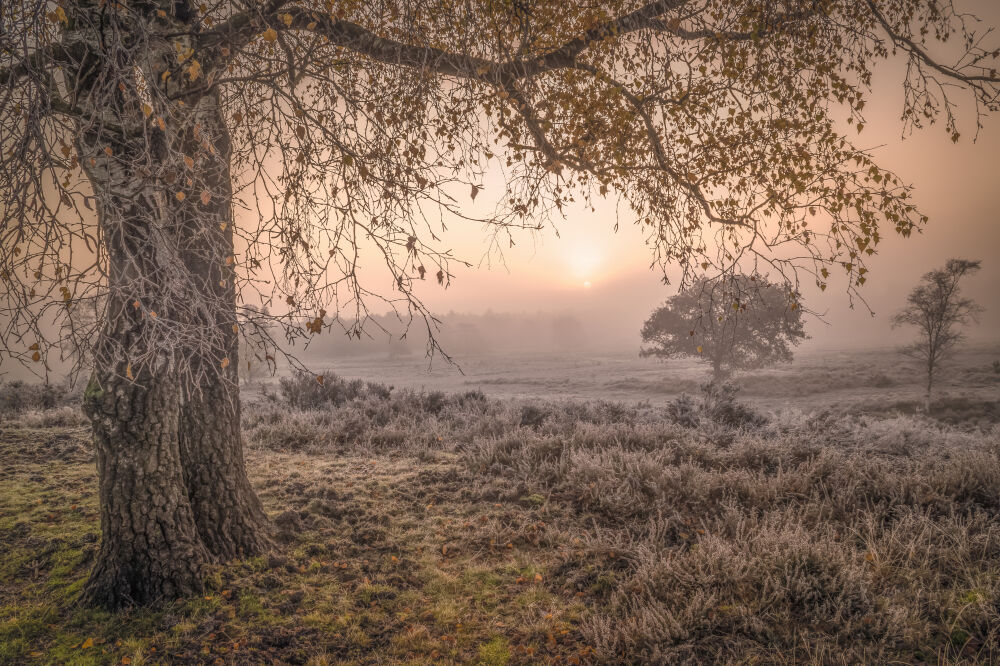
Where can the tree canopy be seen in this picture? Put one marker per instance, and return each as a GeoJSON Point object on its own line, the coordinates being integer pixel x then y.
{"type": "Point", "coordinates": [355, 130]}
{"type": "Point", "coordinates": [741, 323]}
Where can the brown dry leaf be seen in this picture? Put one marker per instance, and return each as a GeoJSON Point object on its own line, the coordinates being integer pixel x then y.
{"type": "Point", "coordinates": [269, 35]}
{"type": "Point", "coordinates": [224, 363]}
{"type": "Point", "coordinates": [206, 196]}
{"type": "Point", "coordinates": [180, 196]}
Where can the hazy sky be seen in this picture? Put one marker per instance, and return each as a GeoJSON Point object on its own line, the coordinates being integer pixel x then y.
{"type": "Point", "coordinates": [956, 185]}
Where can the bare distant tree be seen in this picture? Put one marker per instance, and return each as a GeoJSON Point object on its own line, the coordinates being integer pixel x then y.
{"type": "Point", "coordinates": [741, 322]}
{"type": "Point", "coordinates": [168, 159]}
{"type": "Point", "coordinates": [938, 310]}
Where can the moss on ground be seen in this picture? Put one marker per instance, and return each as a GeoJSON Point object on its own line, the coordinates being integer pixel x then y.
{"type": "Point", "coordinates": [393, 563]}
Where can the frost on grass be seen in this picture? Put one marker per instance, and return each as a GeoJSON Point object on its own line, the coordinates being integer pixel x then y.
{"type": "Point", "coordinates": [707, 531]}
{"type": "Point", "coordinates": [697, 530]}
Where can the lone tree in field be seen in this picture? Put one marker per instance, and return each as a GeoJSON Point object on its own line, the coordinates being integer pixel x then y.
{"type": "Point", "coordinates": [937, 309]}
{"type": "Point", "coordinates": [173, 160]}
{"type": "Point", "coordinates": [740, 322]}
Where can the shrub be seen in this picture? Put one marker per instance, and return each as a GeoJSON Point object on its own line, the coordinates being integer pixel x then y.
{"type": "Point", "coordinates": [881, 380]}
{"type": "Point", "coordinates": [18, 396]}
{"type": "Point", "coordinates": [683, 411]}
{"type": "Point", "coordinates": [58, 417]}
{"type": "Point", "coordinates": [532, 416]}
{"type": "Point", "coordinates": [720, 405]}
{"type": "Point", "coordinates": [305, 391]}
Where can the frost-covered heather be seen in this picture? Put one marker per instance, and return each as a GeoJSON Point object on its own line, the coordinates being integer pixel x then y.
{"type": "Point", "coordinates": [697, 535]}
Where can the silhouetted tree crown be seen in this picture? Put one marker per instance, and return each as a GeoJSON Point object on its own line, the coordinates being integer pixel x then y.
{"type": "Point", "coordinates": [739, 323]}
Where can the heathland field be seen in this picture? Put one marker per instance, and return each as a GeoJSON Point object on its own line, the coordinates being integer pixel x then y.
{"type": "Point", "coordinates": [593, 516]}
{"type": "Point", "coordinates": [840, 380]}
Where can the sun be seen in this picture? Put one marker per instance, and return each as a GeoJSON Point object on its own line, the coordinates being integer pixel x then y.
{"type": "Point", "coordinates": [583, 260]}
{"type": "Point", "coordinates": [586, 284]}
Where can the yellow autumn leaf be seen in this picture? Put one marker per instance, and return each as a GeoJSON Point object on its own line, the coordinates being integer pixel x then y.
{"type": "Point", "coordinates": [269, 35]}
{"type": "Point", "coordinates": [224, 363]}
{"type": "Point", "coordinates": [180, 196]}
{"type": "Point", "coordinates": [699, 349]}
{"type": "Point", "coordinates": [89, 643]}
{"type": "Point", "coordinates": [194, 70]}
{"type": "Point", "coordinates": [287, 19]}
{"type": "Point", "coordinates": [147, 110]}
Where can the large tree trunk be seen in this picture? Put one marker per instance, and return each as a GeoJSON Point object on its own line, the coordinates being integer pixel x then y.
{"type": "Point", "coordinates": [164, 397]}
{"type": "Point", "coordinates": [150, 548]}
{"type": "Point", "coordinates": [228, 514]}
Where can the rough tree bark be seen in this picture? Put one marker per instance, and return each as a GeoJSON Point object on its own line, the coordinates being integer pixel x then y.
{"type": "Point", "coordinates": [229, 516]}
{"type": "Point", "coordinates": [150, 548]}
